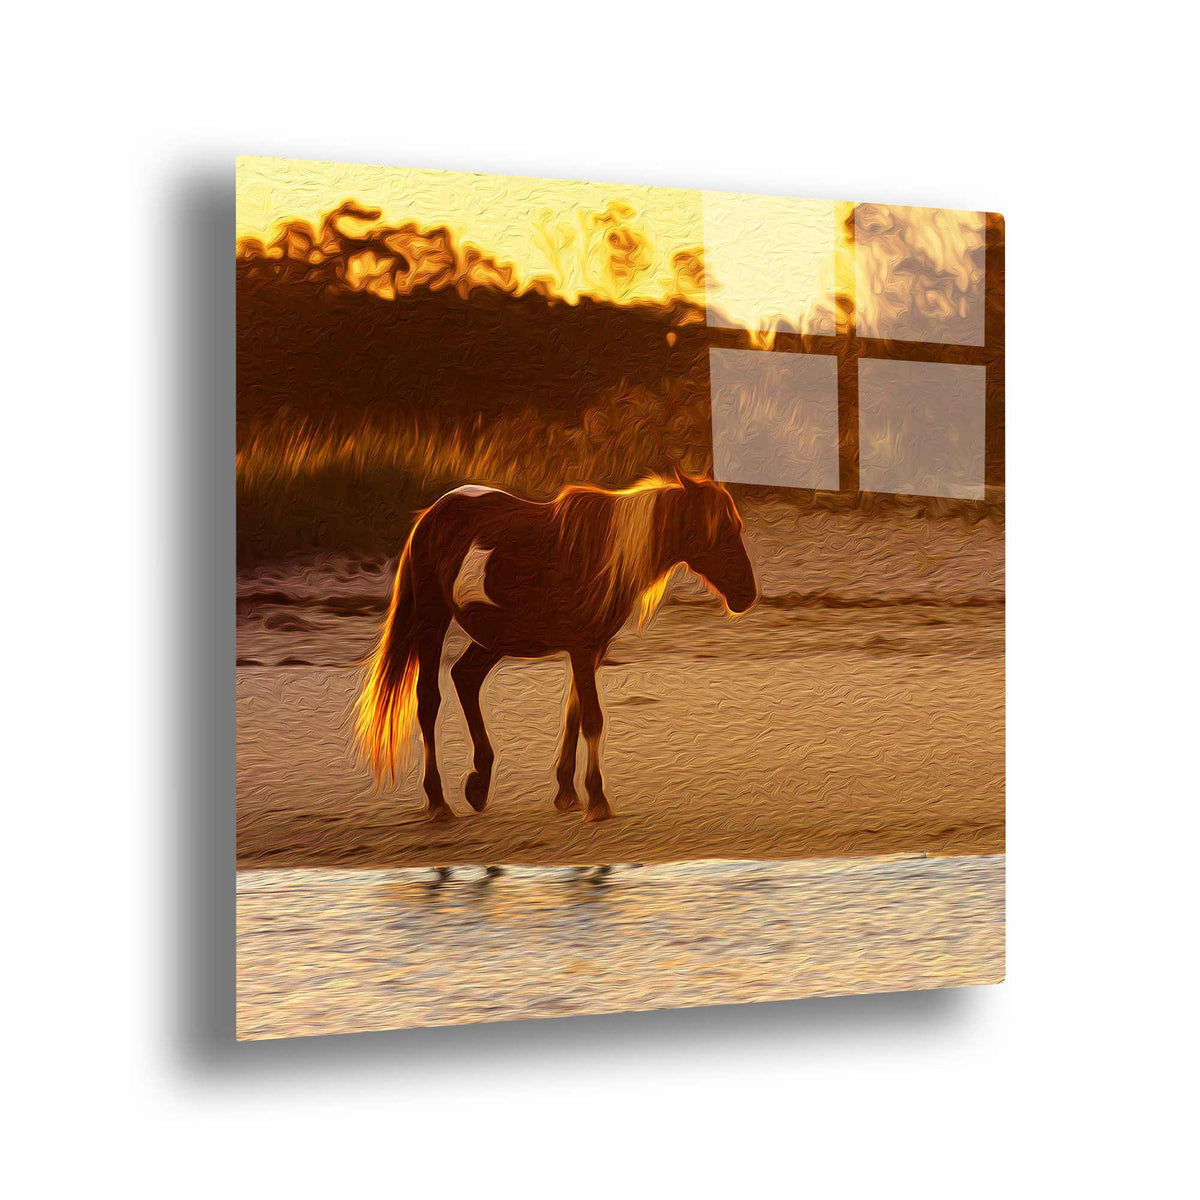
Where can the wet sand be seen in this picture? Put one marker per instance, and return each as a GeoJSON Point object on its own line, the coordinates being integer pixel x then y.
{"type": "Point", "coordinates": [795, 731]}
{"type": "Point", "coordinates": [858, 709]}
{"type": "Point", "coordinates": [343, 951]}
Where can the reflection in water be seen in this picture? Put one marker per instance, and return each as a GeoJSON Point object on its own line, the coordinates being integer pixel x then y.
{"type": "Point", "coordinates": [332, 951]}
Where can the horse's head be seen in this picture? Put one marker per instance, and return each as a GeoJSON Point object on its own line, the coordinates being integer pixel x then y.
{"type": "Point", "coordinates": [711, 541]}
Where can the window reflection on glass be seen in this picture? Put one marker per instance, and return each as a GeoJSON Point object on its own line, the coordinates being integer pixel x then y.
{"type": "Point", "coordinates": [769, 262]}
{"type": "Point", "coordinates": [774, 418]}
{"type": "Point", "coordinates": [919, 274]}
{"type": "Point", "coordinates": [921, 428]}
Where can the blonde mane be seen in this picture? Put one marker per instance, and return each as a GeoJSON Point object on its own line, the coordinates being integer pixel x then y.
{"type": "Point", "coordinates": [627, 562]}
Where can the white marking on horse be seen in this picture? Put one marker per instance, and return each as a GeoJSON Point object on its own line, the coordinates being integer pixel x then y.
{"type": "Point", "coordinates": [469, 583]}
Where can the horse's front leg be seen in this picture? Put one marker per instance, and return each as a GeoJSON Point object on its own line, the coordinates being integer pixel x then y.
{"type": "Point", "coordinates": [468, 674]}
{"type": "Point", "coordinates": [567, 799]}
{"type": "Point", "coordinates": [429, 699]}
{"type": "Point", "coordinates": [584, 664]}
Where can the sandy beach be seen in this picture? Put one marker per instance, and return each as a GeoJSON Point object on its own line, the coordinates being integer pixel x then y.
{"type": "Point", "coordinates": [822, 723]}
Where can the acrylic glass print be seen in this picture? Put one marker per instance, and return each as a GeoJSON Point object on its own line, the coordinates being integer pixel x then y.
{"type": "Point", "coordinates": [620, 601]}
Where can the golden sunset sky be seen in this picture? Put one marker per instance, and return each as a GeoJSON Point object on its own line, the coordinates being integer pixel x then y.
{"type": "Point", "coordinates": [769, 258]}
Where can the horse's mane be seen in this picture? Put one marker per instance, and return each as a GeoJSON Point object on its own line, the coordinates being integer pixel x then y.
{"type": "Point", "coordinates": [615, 535]}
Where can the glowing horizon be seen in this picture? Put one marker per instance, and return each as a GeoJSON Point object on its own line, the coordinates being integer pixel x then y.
{"type": "Point", "coordinates": [625, 243]}
{"type": "Point", "coordinates": [749, 261]}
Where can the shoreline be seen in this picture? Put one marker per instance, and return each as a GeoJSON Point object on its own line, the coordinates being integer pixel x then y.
{"type": "Point", "coordinates": [647, 862]}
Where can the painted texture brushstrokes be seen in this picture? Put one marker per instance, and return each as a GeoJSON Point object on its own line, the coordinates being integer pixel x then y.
{"type": "Point", "coordinates": [602, 451]}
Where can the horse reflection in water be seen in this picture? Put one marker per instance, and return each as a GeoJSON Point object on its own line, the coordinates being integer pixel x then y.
{"type": "Point", "coordinates": [525, 580]}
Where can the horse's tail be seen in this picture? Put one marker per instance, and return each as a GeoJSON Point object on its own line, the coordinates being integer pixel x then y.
{"type": "Point", "coordinates": [388, 702]}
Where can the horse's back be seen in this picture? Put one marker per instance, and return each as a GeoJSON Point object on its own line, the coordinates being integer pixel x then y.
{"type": "Point", "coordinates": [498, 566]}
{"type": "Point", "coordinates": [475, 490]}
{"type": "Point", "coordinates": [486, 511]}
{"type": "Point", "coordinates": [474, 516]}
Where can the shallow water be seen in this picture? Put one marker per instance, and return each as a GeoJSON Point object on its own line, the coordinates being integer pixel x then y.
{"type": "Point", "coordinates": [335, 951]}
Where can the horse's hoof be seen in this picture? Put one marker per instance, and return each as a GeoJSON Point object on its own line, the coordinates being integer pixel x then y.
{"type": "Point", "coordinates": [440, 812]}
{"type": "Point", "coordinates": [567, 802]}
{"type": "Point", "coordinates": [597, 812]}
{"type": "Point", "coordinates": [476, 791]}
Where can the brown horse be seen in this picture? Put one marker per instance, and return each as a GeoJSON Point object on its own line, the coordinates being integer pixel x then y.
{"type": "Point", "coordinates": [528, 579]}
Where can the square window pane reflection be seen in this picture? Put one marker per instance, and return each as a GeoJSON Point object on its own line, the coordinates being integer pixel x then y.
{"type": "Point", "coordinates": [919, 273]}
{"type": "Point", "coordinates": [774, 418]}
{"type": "Point", "coordinates": [769, 262]}
{"type": "Point", "coordinates": [921, 428]}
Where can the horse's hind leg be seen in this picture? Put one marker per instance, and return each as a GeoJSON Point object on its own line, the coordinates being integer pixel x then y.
{"type": "Point", "coordinates": [584, 665]}
{"type": "Point", "coordinates": [468, 674]}
{"type": "Point", "coordinates": [567, 799]}
{"type": "Point", "coordinates": [429, 699]}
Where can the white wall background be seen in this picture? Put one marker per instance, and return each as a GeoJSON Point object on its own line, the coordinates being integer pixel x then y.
{"type": "Point", "coordinates": [122, 127]}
